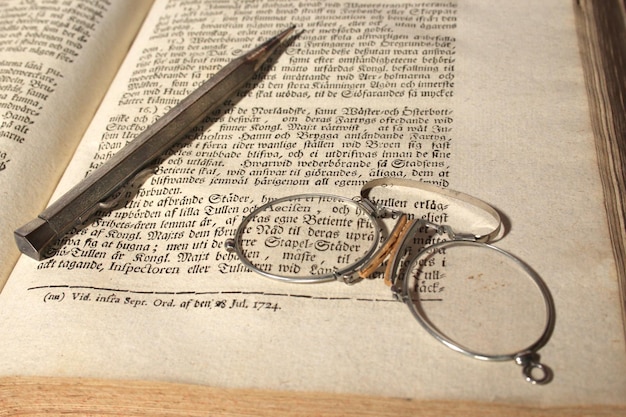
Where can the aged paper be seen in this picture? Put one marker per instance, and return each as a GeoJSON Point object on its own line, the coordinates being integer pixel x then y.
{"type": "Point", "coordinates": [464, 96]}
{"type": "Point", "coordinates": [53, 79]}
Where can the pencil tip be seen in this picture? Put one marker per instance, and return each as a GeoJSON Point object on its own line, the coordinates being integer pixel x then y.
{"type": "Point", "coordinates": [286, 33]}
{"type": "Point", "coordinates": [263, 51]}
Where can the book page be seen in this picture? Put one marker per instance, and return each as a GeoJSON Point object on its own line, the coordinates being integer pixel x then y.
{"type": "Point", "coordinates": [485, 98]}
{"type": "Point", "coordinates": [603, 27]}
{"type": "Point", "coordinates": [58, 59]}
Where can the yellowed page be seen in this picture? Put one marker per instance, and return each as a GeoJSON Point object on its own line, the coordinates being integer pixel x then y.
{"type": "Point", "coordinates": [57, 60]}
{"type": "Point", "coordinates": [482, 97]}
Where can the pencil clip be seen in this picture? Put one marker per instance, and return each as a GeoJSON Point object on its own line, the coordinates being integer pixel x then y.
{"type": "Point", "coordinates": [122, 194]}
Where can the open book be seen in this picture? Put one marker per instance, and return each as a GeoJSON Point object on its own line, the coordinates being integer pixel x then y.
{"type": "Point", "coordinates": [486, 97]}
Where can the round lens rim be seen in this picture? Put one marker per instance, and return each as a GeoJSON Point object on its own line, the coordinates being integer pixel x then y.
{"type": "Point", "coordinates": [434, 331]}
{"type": "Point", "coordinates": [339, 274]}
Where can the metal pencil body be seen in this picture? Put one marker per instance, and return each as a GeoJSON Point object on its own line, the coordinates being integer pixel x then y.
{"type": "Point", "coordinates": [80, 202]}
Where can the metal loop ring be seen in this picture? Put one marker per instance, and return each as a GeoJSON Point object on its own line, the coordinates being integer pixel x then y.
{"type": "Point", "coordinates": [529, 361]}
{"type": "Point", "coordinates": [533, 366]}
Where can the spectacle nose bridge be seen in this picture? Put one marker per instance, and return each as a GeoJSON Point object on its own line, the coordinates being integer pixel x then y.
{"type": "Point", "coordinates": [393, 277]}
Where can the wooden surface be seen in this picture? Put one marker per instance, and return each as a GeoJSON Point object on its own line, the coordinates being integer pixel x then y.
{"type": "Point", "coordinates": [58, 396]}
